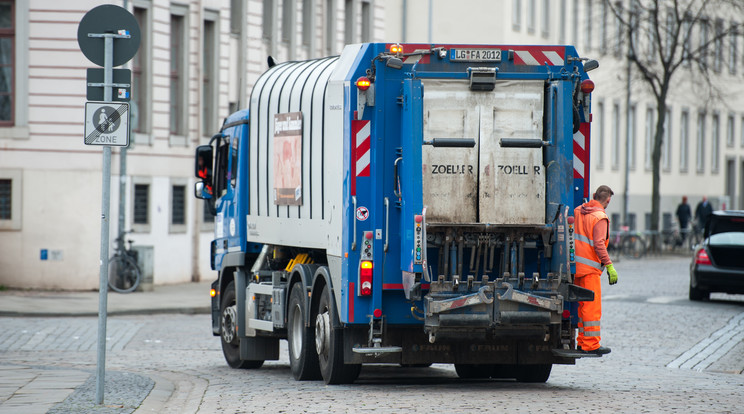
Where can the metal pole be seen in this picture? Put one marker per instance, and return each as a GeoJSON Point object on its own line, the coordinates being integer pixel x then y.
{"type": "Point", "coordinates": [105, 208]}
{"type": "Point", "coordinates": [628, 126]}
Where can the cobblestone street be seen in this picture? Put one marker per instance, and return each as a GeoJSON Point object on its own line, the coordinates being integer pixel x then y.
{"type": "Point", "coordinates": [668, 354]}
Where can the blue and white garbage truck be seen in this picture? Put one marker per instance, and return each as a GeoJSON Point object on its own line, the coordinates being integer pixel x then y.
{"type": "Point", "coordinates": [406, 204]}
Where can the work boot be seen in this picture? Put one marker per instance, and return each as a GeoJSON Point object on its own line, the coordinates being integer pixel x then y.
{"type": "Point", "coordinates": [602, 350]}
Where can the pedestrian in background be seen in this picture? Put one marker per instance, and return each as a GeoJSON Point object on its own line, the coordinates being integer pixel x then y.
{"type": "Point", "coordinates": [702, 213]}
{"type": "Point", "coordinates": [592, 238]}
{"type": "Point", "coordinates": [684, 215]}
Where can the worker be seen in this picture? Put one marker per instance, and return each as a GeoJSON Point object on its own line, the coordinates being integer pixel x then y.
{"type": "Point", "coordinates": [592, 237]}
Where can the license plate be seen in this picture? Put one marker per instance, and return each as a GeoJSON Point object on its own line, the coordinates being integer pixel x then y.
{"type": "Point", "coordinates": [475, 55]}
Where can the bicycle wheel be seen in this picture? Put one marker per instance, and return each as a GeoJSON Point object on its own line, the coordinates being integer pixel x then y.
{"type": "Point", "coordinates": [634, 247]}
{"type": "Point", "coordinates": [124, 274]}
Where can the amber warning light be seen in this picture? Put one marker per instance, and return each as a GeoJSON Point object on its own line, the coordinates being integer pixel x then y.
{"type": "Point", "coordinates": [587, 86]}
{"type": "Point", "coordinates": [363, 83]}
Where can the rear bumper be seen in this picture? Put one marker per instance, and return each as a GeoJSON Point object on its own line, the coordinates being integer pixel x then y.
{"type": "Point", "coordinates": [713, 279]}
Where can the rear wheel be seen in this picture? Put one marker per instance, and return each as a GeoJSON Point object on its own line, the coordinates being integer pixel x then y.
{"type": "Point", "coordinates": [229, 331]}
{"type": "Point", "coordinates": [533, 373]}
{"type": "Point", "coordinates": [123, 274]}
{"type": "Point", "coordinates": [329, 344]}
{"type": "Point", "coordinates": [302, 357]}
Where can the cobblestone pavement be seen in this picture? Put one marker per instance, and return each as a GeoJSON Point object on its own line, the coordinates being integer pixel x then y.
{"type": "Point", "coordinates": [668, 355]}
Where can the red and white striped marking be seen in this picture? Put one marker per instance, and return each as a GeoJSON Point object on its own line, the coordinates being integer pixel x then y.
{"type": "Point", "coordinates": [360, 134]}
{"type": "Point", "coordinates": [581, 154]}
{"type": "Point", "coordinates": [540, 55]}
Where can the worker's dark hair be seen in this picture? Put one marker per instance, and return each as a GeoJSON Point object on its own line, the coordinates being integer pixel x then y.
{"type": "Point", "coordinates": [603, 193]}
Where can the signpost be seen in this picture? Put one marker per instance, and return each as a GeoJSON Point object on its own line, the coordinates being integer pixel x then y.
{"type": "Point", "coordinates": [108, 36]}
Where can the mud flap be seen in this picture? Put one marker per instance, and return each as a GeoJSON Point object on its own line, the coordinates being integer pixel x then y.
{"type": "Point", "coordinates": [573, 353]}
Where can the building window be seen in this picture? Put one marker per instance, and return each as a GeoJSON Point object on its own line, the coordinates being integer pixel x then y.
{"type": "Point", "coordinates": [615, 154]}
{"type": "Point", "coordinates": [715, 143]}
{"type": "Point", "coordinates": [268, 19]}
{"type": "Point", "coordinates": [687, 39]}
{"type": "Point", "coordinates": [733, 46]}
{"type": "Point", "coordinates": [307, 19]}
{"type": "Point", "coordinates": [516, 14]}
{"type": "Point", "coordinates": [649, 138]}
{"type": "Point", "coordinates": [140, 73]}
{"type": "Point", "coordinates": [545, 18]}
{"type": "Point", "coordinates": [651, 37]}
{"type": "Point", "coordinates": [669, 33]}
{"type": "Point", "coordinates": [330, 27]}
{"type": "Point", "coordinates": [178, 208]}
{"type": "Point", "coordinates": [618, 29]}
{"type": "Point", "coordinates": [10, 199]}
{"type": "Point", "coordinates": [210, 51]}
{"type": "Point", "coordinates": [288, 20]}
{"type": "Point", "coordinates": [366, 21]}
{"type": "Point", "coordinates": [703, 42]}
{"type": "Point", "coordinates": [531, 16]}
{"type": "Point", "coordinates": [730, 131]}
{"type": "Point", "coordinates": [718, 46]}
{"type": "Point", "coordinates": [615, 221]}
{"type": "Point", "coordinates": [684, 139]}
{"type": "Point", "coordinates": [349, 22]}
{"type": "Point", "coordinates": [603, 27]}
{"type": "Point", "coordinates": [141, 206]}
{"type": "Point", "coordinates": [700, 144]}
{"type": "Point", "coordinates": [742, 135]}
{"type": "Point", "coordinates": [236, 16]}
{"type": "Point", "coordinates": [7, 63]}
{"type": "Point", "coordinates": [632, 138]}
{"type": "Point", "coordinates": [666, 145]}
{"type": "Point", "coordinates": [599, 129]}
{"type": "Point", "coordinates": [178, 78]}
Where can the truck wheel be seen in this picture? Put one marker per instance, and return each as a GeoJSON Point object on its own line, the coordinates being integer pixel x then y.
{"type": "Point", "coordinates": [473, 371]}
{"type": "Point", "coordinates": [302, 357]}
{"type": "Point", "coordinates": [533, 373]}
{"type": "Point", "coordinates": [329, 344]}
{"type": "Point", "coordinates": [229, 331]}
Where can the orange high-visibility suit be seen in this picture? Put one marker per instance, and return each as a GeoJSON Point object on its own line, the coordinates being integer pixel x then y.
{"type": "Point", "coordinates": [592, 232]}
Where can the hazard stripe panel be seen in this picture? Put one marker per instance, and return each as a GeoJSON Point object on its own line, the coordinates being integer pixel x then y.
{"type": "Point", "coordinates": [581, 154]}
{"type": "Point", "coordinates": [360, 164]}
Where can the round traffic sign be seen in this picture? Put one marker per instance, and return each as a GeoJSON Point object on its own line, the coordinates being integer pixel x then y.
{"type": "Point", "coordinates": [108, 18]}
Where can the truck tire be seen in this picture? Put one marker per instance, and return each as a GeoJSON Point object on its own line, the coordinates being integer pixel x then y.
{"type": "Point", "coordinates": [302, 357]}
{"type": "Point", "coordinates": [229, 331]}
{"type": "Point", "coordinates": [329, 344]}
{"type": "Point", "coordinates": [473, 371]}
{"type": "Point", "coordinates": [533, 373]}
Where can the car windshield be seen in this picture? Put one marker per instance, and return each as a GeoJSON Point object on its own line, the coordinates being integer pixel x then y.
{"type": "Point", "coordinates": [732, 238]}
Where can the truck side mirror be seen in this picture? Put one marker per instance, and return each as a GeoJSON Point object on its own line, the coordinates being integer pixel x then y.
{"type": "Point", "coordinates": [202, 190]}
{"type": "Point", "coordinates": [203, 166]}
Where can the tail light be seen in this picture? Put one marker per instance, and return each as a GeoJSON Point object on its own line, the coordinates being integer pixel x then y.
{"type": "Point", "coordinates": [365, 278]}
{"type": "Point", "coordinates": [702, 257]}
{"type": "Point", "coordinates": [363, 83]}
{"type": "Point", "coordinates": [566, 314]}
{"type": "Point", "coordinates": [587, 86]}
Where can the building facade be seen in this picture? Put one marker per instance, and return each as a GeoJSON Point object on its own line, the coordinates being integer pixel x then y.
{"type": "Point", "coordinates": [703, 146]}
{"type": "Point", "coordinates": [197, 62]}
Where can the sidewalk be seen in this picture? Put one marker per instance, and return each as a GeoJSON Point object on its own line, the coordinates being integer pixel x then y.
{"type": "Point", "coordinates": [40, 389]}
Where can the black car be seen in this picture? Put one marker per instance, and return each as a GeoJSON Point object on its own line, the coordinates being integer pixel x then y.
{"type": "Point", "coordinates": [718, 263]}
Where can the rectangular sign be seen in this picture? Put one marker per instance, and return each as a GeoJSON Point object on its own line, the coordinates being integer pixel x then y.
{"type": "Point", "coordinates": [120, 76]}
{"type": "Point", "coordinates": [475, 55]}
{"type": "Point", "coordinates": [107, 123]}
{"type": "Point", "coordinates": [288, 159]}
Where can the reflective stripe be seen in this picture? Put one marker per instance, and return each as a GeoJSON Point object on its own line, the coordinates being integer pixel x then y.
{"type": "Point", "coordinates": [581, 237]}
{"type": "Point", "coordinates": [590, 263]}
{"type": "Point", "coordinates": [591, 323]}
{"type": "Point", "coordinates": [591, 333]}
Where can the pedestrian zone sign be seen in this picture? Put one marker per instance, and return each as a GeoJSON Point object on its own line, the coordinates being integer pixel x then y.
{"type": "Point", "coordinates": [107, 123]}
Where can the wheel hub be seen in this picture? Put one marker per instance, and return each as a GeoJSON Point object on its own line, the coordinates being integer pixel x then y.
{"type": "Point", "coordinates": [322, 332]}
{"type": "Point", "coordinates": [228, 323]}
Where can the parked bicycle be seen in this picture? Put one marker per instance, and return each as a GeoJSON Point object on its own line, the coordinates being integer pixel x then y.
{"type": "Point", "coordinates": [124, 274]}
{"type": "Point", "coordinates": [627, 243]}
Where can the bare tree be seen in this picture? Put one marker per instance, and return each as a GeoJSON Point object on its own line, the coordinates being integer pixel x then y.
{"type": "Point", "coordinates": [682, 38]}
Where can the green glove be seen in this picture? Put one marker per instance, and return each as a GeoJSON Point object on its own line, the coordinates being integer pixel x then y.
{"type": "Point", "coordinates": [612, 274]}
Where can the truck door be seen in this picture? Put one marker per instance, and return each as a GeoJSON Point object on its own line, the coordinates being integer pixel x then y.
{"type": "Point", "coordinates": [487, 183]}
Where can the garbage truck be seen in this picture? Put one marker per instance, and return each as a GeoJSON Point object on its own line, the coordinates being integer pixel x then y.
{"type": "Point", "coordinates": [405, 204]}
